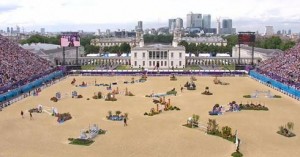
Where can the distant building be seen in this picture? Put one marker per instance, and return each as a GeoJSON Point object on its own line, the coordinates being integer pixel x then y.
{"type": "Point", "coordinates": [206, 21]}
{"type": "Point", "coordinates": [43, 31]}
{"type": "Point", "coordinates": [158, 55]}
{"type": "Point", "coordinates": [194, 21]}
{"type": "Point", "coordinates": [227, 27]}
{"type": "Point", "coordinates": [246, 52]}
{"type": "Point", "coordinates": [289, 32]}
{"type": "Point", "coordinates": [172, 24]}
{"type": "Point", "coordinates": [206, 40]}
{"type": "Point", "coordinates": [7, 30]}
{"type": "Point", "coordinates": [109, 42]}
{"type": "Point", "coordinates": [269, 31]}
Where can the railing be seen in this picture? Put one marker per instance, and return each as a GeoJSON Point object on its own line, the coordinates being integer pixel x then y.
{"type": "Point", "coordinates": [288, 90]}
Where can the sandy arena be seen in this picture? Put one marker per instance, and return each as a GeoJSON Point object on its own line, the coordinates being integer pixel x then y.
{"type": "Point", "coordinates": [159, 136]}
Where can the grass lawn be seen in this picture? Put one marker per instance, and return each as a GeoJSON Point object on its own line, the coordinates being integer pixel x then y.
{"type": "Point", "coordinates": [88, 67]}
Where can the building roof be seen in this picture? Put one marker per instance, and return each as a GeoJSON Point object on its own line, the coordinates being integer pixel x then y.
{"type": "Point", "coordinates": [269, 52]}
{"type": "Point", "coordinates": [40, 46]}
{"type": "Point", "coordinates": [58, 50]}
{"type": "Point", "coordinates": [114, 39]}
{"type": "Point", "coordinates": [159, 47]}
{"type": "Point", "coordinates": [204, 40]}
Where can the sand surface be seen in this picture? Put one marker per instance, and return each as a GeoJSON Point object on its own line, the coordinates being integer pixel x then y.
{"type": "Point", "coordinates": [162, 135]}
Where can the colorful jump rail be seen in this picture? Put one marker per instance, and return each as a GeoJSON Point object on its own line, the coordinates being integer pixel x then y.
{"type": "Point", "coordinates": [290, 91]}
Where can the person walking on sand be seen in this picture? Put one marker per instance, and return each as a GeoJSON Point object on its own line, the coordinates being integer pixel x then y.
{"type": "Point", "coordinates": [125, 121]}
{"type": "Point", "coordinates": [31, 118]}
{"type": "Point", "coordinates": [22, 114]}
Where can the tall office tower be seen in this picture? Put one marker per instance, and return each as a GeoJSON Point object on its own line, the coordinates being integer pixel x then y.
{"type": "Point", "coordinates": [179, 23]}
{"type": "Point", "coordinates": [107, 32]}
{"type": "Point", "coordinates": [206, 21]}
{"type": "Point", "coordinates": [11, 30]}
{"type": "Point", "coordinates": [7, 30]}
{"type": "Point", "coordinates": [170, 24]}
{"type": "Point", "coordinates": [99, 32]}
{"type": "Point", "coordinates": [289, 32]}
{"type": "Point", "coordinates": [18, 30]}
{"type": "Point", "coordinates": [43, 31]}
{"type": "Point", "coordinates": [194, 20]}
{"type": "Point", "coordinates": [269, 31]}
{"type": "Point", "coordinates": [218, 26]}
{"type": "Point", "coordinates": [227, 26]}
{"type": "Point", "coordinates": [140, 25]}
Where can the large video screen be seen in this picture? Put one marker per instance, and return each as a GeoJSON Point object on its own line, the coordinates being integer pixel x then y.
{"type": "Point", "coordinates": [70, 39]}
{"type": "Point", "coordinates": [246, 38]}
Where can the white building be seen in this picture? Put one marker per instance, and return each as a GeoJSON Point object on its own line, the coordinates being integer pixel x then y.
{"type": "Point", "coordinates": [269, 31]}
{"type": "Point", "coordinates": [158, 55]}
{"type": "Point", "coordinates": [246, 52]}
{"type": "Point", "coordinates": [206, 40]}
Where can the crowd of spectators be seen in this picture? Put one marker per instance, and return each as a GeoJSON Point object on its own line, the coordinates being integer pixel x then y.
{"type": "Point", "coordinates": [284, 68]}
{"type": "Point", "coordinates": [19, 65]}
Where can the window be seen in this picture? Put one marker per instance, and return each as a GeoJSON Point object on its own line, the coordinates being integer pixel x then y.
{"type": "Point", "coordinates": [180, 55]}
{"type": "Point", "coordinates": [144, 55]}
{"type": "Point", "coordinates": [161, 55]}
{"type": "Point", "coordinates": [171, 63]}
{"type": "Point", "coordinates": [150, 63]}
{"type": "Point", "coordinates": [153, 63]}
{"type": "Point", "coordinates": [172, 55]}
{"type": "Point", "coordinates": [135, 55]}
{"type": "Point", "coordinates": [150, 54]}
{"type": "Point", "coordinates": [165, 55]}
{"type": "Point", "coordinates": [179, 63]}
{"type": "Point", "coordinates": [165, 63]}
{"type": "Point", "coordinates": [135, 63]}
{"type": "Point", "coordinates": [162, 63]}
{"type": "Point", "coordinates": [143, 63]}
{"type": "Point", "coordinates": [157, 54]}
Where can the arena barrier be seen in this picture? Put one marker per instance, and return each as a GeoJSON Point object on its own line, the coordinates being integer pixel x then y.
{"type": "Point", "coordinates": [158, 72]}
{"type": "Point", "coordinates": [30, 86]}
{"type": "Point", "coordinates": [290, 91]}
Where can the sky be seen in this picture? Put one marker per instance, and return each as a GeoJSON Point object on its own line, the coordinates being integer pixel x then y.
{"type": "Point", "coordinates": [90, 15]}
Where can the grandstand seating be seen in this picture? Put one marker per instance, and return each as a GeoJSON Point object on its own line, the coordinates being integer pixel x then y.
{"type": "Point", "coordinates": [284, 68]}
{"type": "Point", "coordinates": [19, 66]}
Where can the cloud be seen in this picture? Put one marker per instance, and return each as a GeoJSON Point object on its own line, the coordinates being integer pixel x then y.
{"type": "Point", "coordinates": [82, 13]}
{"type": "Point", "coordinates": [7, 8]}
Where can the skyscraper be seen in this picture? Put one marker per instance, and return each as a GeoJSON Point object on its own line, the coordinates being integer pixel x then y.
{"type": "Point", "coordinates": [227, 26]}
{"type": "Point", "coordinates": [194, 20]}
{"type": "Point", "coordinates": [179, 23]}
{"type": "Point", "coordinates": [140, 25]}
{"type": "Point", "coordinates": [7, 30]}
{"type": "Point", "coordinates": [206, 21]}
{"type": "Point", "coordinates": [18, 30]}
{"type": "Point", "coordinates": [42, 30]}
{"type": "Point", "coordinates": [11, 30]}
{"type": "Point", "coordinates": [269, 31]}
{"type": "Point", "coordinates": [171, 21]}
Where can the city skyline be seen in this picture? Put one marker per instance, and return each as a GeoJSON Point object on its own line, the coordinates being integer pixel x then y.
{"type": "Point", "coordinates": [64, 15]}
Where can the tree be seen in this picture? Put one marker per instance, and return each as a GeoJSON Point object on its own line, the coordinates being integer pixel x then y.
{"type": "Point", "coordinates": [192, 48]}
{"type": "Point", "coordinates": [91, 49]}
{"type": "Point", "coordinates": [184, 43]}
{"type": "Point", "coordinates": [125, 48]}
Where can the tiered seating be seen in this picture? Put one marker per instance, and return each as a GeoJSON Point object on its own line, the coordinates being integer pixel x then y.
{"type": "Point", "coordinates": [284, 67]}
{"type": "Point", "coordinates": [18, 65]}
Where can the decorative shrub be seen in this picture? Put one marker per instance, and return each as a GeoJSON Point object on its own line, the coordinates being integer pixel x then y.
{"type": "Point", "coordinates": [145, 114]}
{"type": "Point", "coordinates": [63, 117]}
{"type": "Point", "coordinates": [237, 154]}
{"type": "Point", "coordinates": [247, 96]}
{"type": "Point", "coordinates": [287, 130]}
{"type": "Point", "coordinates": [79, 96]}
{"type": "Point", "coordinates": [110, 98]}
{"type": "Point", "coordinates": [172, 92]}
{"type": "Point", "coordinates": [276, 96]}
{"type": "Point", "coordinates": [95, 97]}
{"type": "Point", "coordinates": [253, 107]}
{"type": "Point", "coordinates": [78, 141]}
{"type": "Point", "coordinates": [54, 99]}
{"type": "Point", "coordinates": [88, 99]}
